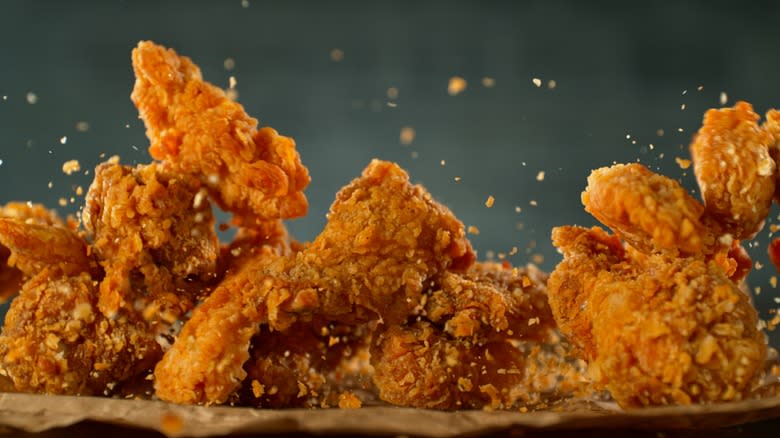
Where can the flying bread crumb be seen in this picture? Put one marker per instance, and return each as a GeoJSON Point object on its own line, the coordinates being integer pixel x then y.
{"type": "Point", "coordinates": [71, 166]}
{"type": "Point", "coordinates": [489, 202]}
{"type": "Point", "coordinates": [407, 135]}
{"type": "Point", "coordinates": [456, 85]}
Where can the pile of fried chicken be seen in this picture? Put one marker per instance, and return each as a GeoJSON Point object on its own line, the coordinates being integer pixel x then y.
{"type": "Point", "coordinates": [140, 298]}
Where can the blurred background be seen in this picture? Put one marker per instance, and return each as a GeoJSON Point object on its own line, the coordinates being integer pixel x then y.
{"type": "Point", "coordinates": [514, 100]}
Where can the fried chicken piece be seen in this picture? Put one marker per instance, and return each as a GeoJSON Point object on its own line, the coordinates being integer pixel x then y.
{"type": "Point", "coordinates": [650, 211]}
{"type": "Point", "coordinates": [55, 340]}
{"type": "Point", "coordinates": [734, 169]}
{"type": "Point", "coordinates": [11, 279]}
{"type": "Point", "coordinates": [384, 241]}
{"type": "Point", "coordinates": [772, 127]}
{"type": "Point", "coordinates": [197, 130]}
{"type": "Point", "coordinates": [307, 365]}
{"type": "Point", "coordinates": [486, 338]}
{"type": "Point", "coordinates": [658, 330]}
{"type": "Point", "coordinates": [153, 234]}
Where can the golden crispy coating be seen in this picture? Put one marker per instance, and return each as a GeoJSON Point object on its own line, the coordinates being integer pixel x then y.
{"type": "Point", "coordinates": [11, 278]}
{"type": "Point", "coordinates": [657, 330]}
{"type": "Point", "coordinates": [197, 130]}
{"type": "Point", "coordinates": [734, 170]}
{"type": "Point", "coordinates": [772, 127]}
{"type": "Point", "coordinates": [649, 211]}
{"type": "Point", "coordinates": [152, 231]}
{"type": "Point", "coordinates": [56, 341]}
{"type": "Point", "coordinates": [384, 242]}
{"type": "Point", "coordinates": [307, 365]}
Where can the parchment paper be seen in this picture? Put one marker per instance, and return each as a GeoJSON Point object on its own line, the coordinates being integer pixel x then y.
{"type": "Point", "coordinates": [36, 413]}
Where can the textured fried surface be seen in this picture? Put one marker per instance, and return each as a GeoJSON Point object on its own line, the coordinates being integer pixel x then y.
{"type": "Point", "coordinates": [11, 278]}
{"type": "Point", "coordinates": [384, 241]}
{"type": "Point", "coordinates": [485, 339]}
{"type": "Point", "coordinates": [734, 170]}
{"type": "Point", "coordinates": [197, 130]}
{"type": "Point", "coordinates": [307, 365]}
{"type": "Point", "coordinates": [56, 341]}
{"type": "Point", "coordinates": [655, 330]}
{"type": "Point", "coordinates": [772, 127]}
{"type": "Point", "coordinates": [650, 211]}
{"type": "Point", "coordinates": [152, 231]}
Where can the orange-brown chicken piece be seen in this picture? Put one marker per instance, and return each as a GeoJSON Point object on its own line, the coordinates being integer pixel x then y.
{"type": "Point", "coordinates": [197, 130]}
{"type": "Point", "coordinates": [650, 211]}
{"type": "Point", "coordinates": [11, 279]}
{"type": "Point", "coordinates": [772, 127]}
{"type": "Point", "coordinates": [658, 330]}
{"type": "Point", "coordinates": [384, 241]}
{"type": "Point", "coordinates": [153, 232]}
{"type": "Point", "coordinates": [734, 169]}
{"type": "Point", "coordinates": [486, 338]}
{"type": "Point", "coordinates": [54, 339]}
{"type": "Point", "coordinates": [307, 365]}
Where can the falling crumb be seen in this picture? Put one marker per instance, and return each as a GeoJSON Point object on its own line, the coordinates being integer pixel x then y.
{"type": "Point", "coordinates": [171, 424]}
{"type": "Point", "coordinates": [415, 155]}
{"type": "Point", "coordinates": [229, 64]}
{"type": "Point", "coordinates": [257, 389]}
{"type": "Point", "coordinates": [244, 4]}
{"type": "Point", "coordinates": [490, 201]}
{"type": "Point", "coordinates": [551, 84]}
{"type": "Point", "coordinates": [392, 93]}
{"type": "Point", "coordinates": [71, 166]}
{"type": "Point", "coordinates": [518, 209]}
{"type": "Point", "coordinates": [682, 107]}
{"type": "Point", "coordinates": [442, 162]}
{"type": "Point", "coordinates": [63, 140]}
{"type": "Point", "coordinates": [456, 85]}
{"type": "Point", "coordinates": [651, 146]}
{"type": "Point", "coordinates": [683, 162]}
{"type": "Point", "coordinates": [348, 400]}
{"type": "Point", "coordinates": [392, 104]}
{"type": "Point", "coordinates": [680, 129]}
{"type": "Point", "coordinates": [232, 82]}
{"type": "Point", "coordinates": [533, 203]}
{"type": "Point", "coordinates": [773, 281]}
{"type": "Point", "coordinates": [82, 126]}
{"type": "Point", "coordinates": [457, 179]}
{"type": "Point", "coordinates": [488, 82]}
{"type": "Point", "coordinates": [62, 202]}
{"type": "Point", "coordinates": [407, 135]}
{"type": "Point", "coordinates": [1, 162]}
{"type": "Point", "coordinates": [473, 230]}
{"type": "Point", "coordinates": [660, 132]}
{"type": "Point", "coordinates": [537, 258]}
{"type": "Point", "coordinates": [540, 175]}
{"type": "Point", "coordinates": [50, 184]}
{"type": "Point", "coordinates": [759, 266]}
{"type": "Point", "coordinates": [700, 87]}
{"type": "Point", "coordinates": [723, 98]}
{"type": "Point", "coordinates": [336, 55]}
{"type": "Point", "coordinates": [32, 98]}
{"type": "Point", "coordinates": [79, 191]}
{"type": "Point", "coordinates": [537, 82]}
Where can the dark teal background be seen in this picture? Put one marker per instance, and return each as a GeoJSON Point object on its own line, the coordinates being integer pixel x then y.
{"type": "Point", "coordinates": [620, 70]}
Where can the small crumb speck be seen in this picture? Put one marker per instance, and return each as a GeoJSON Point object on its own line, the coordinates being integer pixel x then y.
{"type": "Point", "coordinates": [724, 98]}
{"type": "Point", "coordinates": [537, 82]}
{"type": "Point", "coordinates": [488, 82]}
{"type": "Point", "coordinates": [232, 82]}
{"type": "Point", "coordinates": [392, 93]}
{"type": "Point", "coordinates": [407, 135]}
{"type": "Point", "coordinates": [63, 139]}
{"type": "Point", "coordinates": [456, 85]}
{"type": "Point", "coordinates": [551, 84]}
{"type": "Point", "coordinates": [32, 98]}
{"type": "Point", "coordinates": [229, 64]}
{"type": "Point", "coordinates": [540, 175]}
{"type": "Point", "coordinates": [490, 201]}
{"type": "Point", "coordinates": [82, 126]}
{"type": "Point", "coordinates": [336, 55]}
{"type": "Point", "coordinates": [71, 166]}
{"type": "Point", "coordinates": [533, 203]}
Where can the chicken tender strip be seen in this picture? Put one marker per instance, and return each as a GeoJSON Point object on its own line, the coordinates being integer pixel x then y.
{"type": "Point", "coordinates": [734, 169]}
{"type": "Point", "coordinates": [384, 241]}
{"type": "Point", "coordinates": [197, 130]}
{"type": "Point", "coordinates": [11, 279]}
{"type": "Point", "coordinates": [55, 341]}
{"type": "Point", "coordinates": [656, 331]}
{"type": "Point", "coordinates": [649, 211]}
{"type": "Point", "coordinates": [154, 234]}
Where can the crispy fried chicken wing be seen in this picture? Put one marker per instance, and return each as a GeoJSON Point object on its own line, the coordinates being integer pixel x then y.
{"type": "Point", "coordinates": [384, 241]}
{"type": "Point", "coordinates": [153, 233]}
{"type": "Point", "coordinates": [196, 130]}
{"type": "Point", "coordinates": [658, 330]}
{"type": "Point", "coordinates": [734, 169]}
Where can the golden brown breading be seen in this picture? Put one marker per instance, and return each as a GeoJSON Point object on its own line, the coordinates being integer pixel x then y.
{"type": "Point", "coordinates": [734, 170]}
{"type": "Point", "coordinates": [772, 127]}
{"type": "Point", "coordinates": [153, 232]}
{"type": "Point", "coordinates": [56, 341]}
{"type": "Point", "coordinates": [197, 130]}
{"type": "Point", "coordinates": [649, 211]}
{"type": "Point", "coordinates": [657, 330]}
{"type": "Point", "coordinates": [384, 241]}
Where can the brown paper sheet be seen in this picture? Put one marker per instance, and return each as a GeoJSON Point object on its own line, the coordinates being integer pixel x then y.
{"type": "Point", "coordinates": [37, 413]}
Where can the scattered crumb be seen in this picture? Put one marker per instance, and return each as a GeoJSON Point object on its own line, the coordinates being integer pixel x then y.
{"type": "Point", "coordinates": [442, 162]}
{"type": "Point", "coordinates": [683, 162]}
{"type": "Point", "coordinates": [700, 87]}
{"type": "Point", "coordinates": [659, 132]}
{"type": "Point", "coordinates": [473, 230]}
{"type": "Point", "coordinates": [457, 179]}
{"type": "Point", "coordinates": [171, 424]}
{"type": "Point", "coordinates": [407, 135]}
{"type": "Point", "coordinates": [456, 85]}
{"type": "Point", "coordinates": [537, 82]}
{"type": "Point", "coordinates": [773, 281]}
{"type": "Point", "coordinates": [336, 55]}
{"type": "Point", "coordinates": [232, 82]}
{"type": "Point", "coordinates": [62, 202]}
{"type": "Point", "coordinates": [348, 400]}
{"type": "Point", "coordinates": [488, 82]}
{"type": "Point", "coordinates": [537, 259]}
{"type": "Point", "coordinates": [71, 166]}
{"type": "Point", "coordinates": [229, 64]}
{"type": "Point", "coordinates": [244, 4]}
{"type": "Point", "coordinates": [551, 84]}
{"type": "Point", "coordinates": [724, 98]}
{"type": "Point", "coordinates": [682, 107]}
{"type": "Point", "coordinates": [489, 202]}
{"type": "Point", "coordinates": [32, 98]}
{"type": "Point", "coordinates": [533, 203]}
{"type": "Point", "coordinates": [392, 93]}
{"type": "Point", "coordinates": [63, 139]}
{"type": "Point", "coordinates": [540, 175]}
